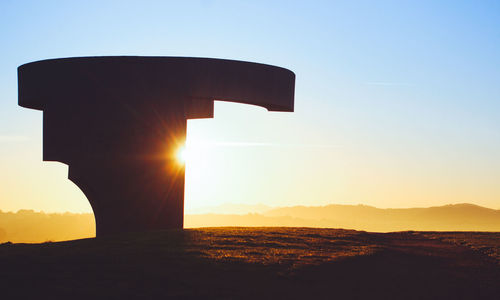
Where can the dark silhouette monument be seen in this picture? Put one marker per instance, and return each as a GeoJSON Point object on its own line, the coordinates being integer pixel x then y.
{"type": "Point", "coordinates": [118, 121]}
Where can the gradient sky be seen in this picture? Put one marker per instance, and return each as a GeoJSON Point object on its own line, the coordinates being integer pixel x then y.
{"type": "Point", "coordinates": [397, 103]}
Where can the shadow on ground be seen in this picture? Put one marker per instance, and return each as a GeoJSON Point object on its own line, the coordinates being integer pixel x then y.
{"type": "Point", "coordinates": [256, 263]}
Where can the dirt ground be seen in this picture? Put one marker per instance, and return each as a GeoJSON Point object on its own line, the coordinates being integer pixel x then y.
{"type": "Point", "coordinates": [257, 263]}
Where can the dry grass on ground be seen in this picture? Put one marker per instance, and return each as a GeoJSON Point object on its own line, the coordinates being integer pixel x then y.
{"type": "Point", "coordinates": [257, 263]}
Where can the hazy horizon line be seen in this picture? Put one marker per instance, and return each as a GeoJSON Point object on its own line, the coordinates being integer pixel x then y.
{"type": "Point", "coordinates": [261, 204]}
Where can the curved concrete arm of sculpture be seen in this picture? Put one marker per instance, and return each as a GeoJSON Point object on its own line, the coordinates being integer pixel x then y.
{"type": "Point", "coordinates": [112, 119]}
{"type": "Point", "coordinates": [47, 82]}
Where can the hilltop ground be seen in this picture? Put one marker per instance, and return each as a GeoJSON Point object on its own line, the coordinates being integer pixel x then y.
{"type": "Point", "coordinates": [257, 263]}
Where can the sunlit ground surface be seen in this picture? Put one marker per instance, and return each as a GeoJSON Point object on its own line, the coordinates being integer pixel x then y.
{"type": "Point", "coordinates": [487, 243]}
{"type": "Point", "coordinates": [291, 247]}
{"type": "Point", "coordinates": [257, 263]}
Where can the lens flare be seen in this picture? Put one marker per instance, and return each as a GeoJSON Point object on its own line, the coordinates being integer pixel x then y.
{"type": "Point", "coordinates": [181, 155]}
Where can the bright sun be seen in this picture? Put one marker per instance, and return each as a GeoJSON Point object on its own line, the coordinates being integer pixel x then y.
{"type": "Point", "coordinates": [181, 155]}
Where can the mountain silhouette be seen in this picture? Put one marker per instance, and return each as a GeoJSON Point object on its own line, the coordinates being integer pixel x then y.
{"type": "Point", "coordinates": [453, 217]}
{"type": "Point", "coordinates": [31, 226]}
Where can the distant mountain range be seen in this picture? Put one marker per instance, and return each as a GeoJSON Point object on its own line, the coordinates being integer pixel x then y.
{"type": "Point", "coordinates": [30, 226]}
{"type": "Point", "coordinates": [453, 217]}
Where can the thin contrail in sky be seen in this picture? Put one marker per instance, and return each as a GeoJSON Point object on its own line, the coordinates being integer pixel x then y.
{"type": "Point", "coordinates": [388, 83]}
{"type": "Point", "coordinates": [13, 138]}
{"type": "Point", "coordinates": [258, 144]}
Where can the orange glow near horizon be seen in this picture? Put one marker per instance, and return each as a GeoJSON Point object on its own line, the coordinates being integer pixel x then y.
{"type": "Point", "coordinates": [247, 155]}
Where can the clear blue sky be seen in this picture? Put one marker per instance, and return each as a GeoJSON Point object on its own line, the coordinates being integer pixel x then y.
{"type": "Point", "coordinates": [397, 102]}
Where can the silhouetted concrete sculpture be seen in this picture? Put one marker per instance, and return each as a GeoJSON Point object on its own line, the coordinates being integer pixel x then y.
{"type": "Point", "coordinates": [117, 121]}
